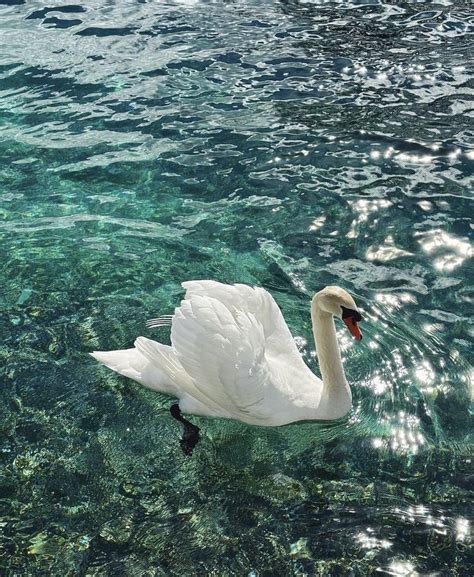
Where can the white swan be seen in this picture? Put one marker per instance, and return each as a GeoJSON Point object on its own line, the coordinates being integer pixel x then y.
{"type": "Point", "coordinates": [233, 356]}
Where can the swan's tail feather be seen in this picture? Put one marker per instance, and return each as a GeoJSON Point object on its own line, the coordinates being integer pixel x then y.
{"type": "Point", "coordinates": [158, 354]}
{"type": "Point", "coordinates": [157, 367]}
{"type": "Point", "coordinates": [126, 362]}
{"type": "Point", "coordinates": [133, 364]}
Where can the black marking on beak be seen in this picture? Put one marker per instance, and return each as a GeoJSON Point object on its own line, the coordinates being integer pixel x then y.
{"type": "Point", "coordinates": [351, 313]}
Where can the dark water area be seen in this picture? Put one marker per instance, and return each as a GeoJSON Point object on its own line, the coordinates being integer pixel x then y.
{"type": "Point", "coordinates": [288, 145]}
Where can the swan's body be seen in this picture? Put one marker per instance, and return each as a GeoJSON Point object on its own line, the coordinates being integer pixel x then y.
{"type": "Point", "coordinates": [233, 356]}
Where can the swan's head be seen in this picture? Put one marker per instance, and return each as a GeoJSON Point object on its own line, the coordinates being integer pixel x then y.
{"type": "Point", "coordinates": [338, 302]}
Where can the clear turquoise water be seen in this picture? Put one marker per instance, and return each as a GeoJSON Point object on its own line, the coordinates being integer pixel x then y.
{"type": "Point", "coordinates": [285, 144]}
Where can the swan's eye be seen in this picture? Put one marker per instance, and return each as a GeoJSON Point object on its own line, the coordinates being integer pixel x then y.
{"type": "Point", "coordinates": [352, 314]}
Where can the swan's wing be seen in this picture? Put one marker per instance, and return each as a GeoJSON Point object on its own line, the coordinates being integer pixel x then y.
{"type": "Point", "coordinates": [223, 351]}
{"type": "Point", "coordinates": [164, 360]}
{"type": "Point", "coordinates": [256, 301]}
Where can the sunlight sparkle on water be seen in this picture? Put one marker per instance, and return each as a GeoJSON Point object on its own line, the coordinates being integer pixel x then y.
{"type": "Point", "coordinates": [367, 540]}
{"type": "Point", "coordinates": [425, 376]}
{"type": "Point", "coordinates": [402, 569]}
{"type": "Point", "coordinates": [425, 205]}
{"type": "Point", "coordinates": [414, 158]}
{"type": "Point", "coordinates": [452, 250]}
{"type": "Point", "coordinates": [405, 435]}
{"type": "Point", "coordinates": [378, 384]}
{"type": "Point", "coordinates": [365, 208]}
{"type": "Point", "coordinates": [462, 529]}
{"type": "Point", "coordinates": [393, 301]}
{"type": "Point", "coordinates": [317, 223]}
{"type": "Point", "coordinates": [387, 251]}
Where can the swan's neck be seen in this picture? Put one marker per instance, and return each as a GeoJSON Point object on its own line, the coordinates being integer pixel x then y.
{"type": "Point", "coordinates": [336, 395]}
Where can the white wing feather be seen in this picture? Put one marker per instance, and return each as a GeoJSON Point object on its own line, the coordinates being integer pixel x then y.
{"type": "Point", "coordinates": [165, 358]}
{"type": "Point", "coordinates": [258, 302]}
{"type": "Point", "coordinates": [223, 336]}
{"type": "Point", "coordinates": [224, 352]}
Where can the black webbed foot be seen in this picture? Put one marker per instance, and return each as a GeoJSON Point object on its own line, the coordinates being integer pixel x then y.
{"type": "Point", "coordinates": [190, 439]}
{"type": "Point", "coordinates": [190, 436]}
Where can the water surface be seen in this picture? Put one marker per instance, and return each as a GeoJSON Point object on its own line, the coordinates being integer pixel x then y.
{"type": "Point", "coordinates": [288, 145]}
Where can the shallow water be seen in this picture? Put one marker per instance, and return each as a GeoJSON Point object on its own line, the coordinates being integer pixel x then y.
{"type": "Point", "coordinates": [284, 144]}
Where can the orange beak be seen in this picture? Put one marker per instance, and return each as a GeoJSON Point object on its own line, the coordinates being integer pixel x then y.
{"type": "Point", "coordinates": [353, 327]}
